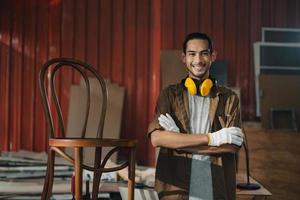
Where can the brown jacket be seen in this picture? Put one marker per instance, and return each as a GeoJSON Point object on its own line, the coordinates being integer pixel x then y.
{"type": "Point", "coordinates": [173, 168]}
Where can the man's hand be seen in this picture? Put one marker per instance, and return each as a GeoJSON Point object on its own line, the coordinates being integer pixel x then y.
{"type": "Point", "coordinates": [167, 122]}
{"type": "Point", "coordinates": [231, 135]}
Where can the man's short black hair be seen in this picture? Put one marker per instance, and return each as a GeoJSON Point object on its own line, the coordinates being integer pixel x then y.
{"type": "Point", "coordinates": [197, 35]}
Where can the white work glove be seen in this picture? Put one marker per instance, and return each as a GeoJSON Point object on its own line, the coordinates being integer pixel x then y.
{"type": "Point", "coordinates": [167, 122]}
{"type": "Point", "coordinates": [231, 135]}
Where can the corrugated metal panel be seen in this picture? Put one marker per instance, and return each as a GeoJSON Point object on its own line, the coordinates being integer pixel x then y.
{"type": "Point", "coordinates": [16, 76]}
{"type": "Point", "coordinates": [6, 29]}
{"type": "Point", "coordinates": [28, 75]}
{"type": "Point", "coordinates": [113, 36]}
{"type": "Point", "coordinates": [42, 28]}
{"type": "Point", "coordinates": [122, 39]}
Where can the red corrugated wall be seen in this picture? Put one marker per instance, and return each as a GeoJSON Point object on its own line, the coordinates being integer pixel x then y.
{"type": "Point", "coordinates": [122, 39]}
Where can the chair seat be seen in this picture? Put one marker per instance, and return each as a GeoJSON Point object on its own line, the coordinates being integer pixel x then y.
{"type": "Point", "coordinates": [91, 142]}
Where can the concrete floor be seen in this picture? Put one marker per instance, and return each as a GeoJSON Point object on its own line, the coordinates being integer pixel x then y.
{"type": "Point", "coordinates": [275, 161]}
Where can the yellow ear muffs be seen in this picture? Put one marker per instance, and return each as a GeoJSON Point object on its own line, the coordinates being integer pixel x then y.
{"type": "Point", "coordinates": [190, 85]}
{"type": "Point", "coordinates": [206, 87]}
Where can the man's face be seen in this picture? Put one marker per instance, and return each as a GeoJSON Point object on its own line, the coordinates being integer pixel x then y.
{"type": "Point", "coordinates": [198, 58]}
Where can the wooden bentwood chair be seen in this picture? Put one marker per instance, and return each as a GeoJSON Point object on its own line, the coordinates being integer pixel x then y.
{"type": "Point", "coordinates": [58, 141]}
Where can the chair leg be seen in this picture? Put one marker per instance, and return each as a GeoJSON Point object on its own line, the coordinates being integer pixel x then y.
{"type": "Point", "coordinates": [131, 174]}
{"type": "Point", "coordinates": [47, 189]}
{"type": "Point", "coordinates": [78, 172]}
{"type": "Point", "coordinates": [97, 175]}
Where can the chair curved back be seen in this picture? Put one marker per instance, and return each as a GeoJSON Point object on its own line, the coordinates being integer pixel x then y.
{"type": "Point", "coordinates": [49, 94]}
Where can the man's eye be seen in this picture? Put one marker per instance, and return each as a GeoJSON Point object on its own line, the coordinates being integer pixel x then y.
{"type": "Point", "coordinates": [192, 54]}
{"type": "Point", "coordinates": [205, 53]}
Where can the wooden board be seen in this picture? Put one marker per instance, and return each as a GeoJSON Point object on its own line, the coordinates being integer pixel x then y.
{"type": "Point", "coordinates": [279, 91]}
{"type": "Point", "coordinates": [113, 119]}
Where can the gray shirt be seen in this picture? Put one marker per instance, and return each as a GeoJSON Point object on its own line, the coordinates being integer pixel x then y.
{"type": "Point", "coordinates": [201, 180]}
{"type": "Point", "coordinates": [199, 121]}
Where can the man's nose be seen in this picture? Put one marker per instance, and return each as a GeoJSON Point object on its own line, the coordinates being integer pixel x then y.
{"type": "Point", "coordinates": [198, 58]}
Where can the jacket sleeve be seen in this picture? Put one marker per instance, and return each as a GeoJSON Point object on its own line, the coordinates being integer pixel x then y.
{"type": "Point", "coordinates": [162, 107]}
{"type": "Point", "coordinates": [233, 112]}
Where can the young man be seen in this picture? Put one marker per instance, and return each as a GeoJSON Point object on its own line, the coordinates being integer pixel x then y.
{"type": "Point", "coordinates": [196, 126]}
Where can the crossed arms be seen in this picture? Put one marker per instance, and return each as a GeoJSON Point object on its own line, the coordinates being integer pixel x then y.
{"type": "Point", "coordinates": [226, 140]}
{"type": "Point", "coordinates": [192, 143]}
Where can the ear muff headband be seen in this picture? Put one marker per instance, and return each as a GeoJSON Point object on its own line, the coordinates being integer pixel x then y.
{"type": "Point", "coordinates": [204, 87]}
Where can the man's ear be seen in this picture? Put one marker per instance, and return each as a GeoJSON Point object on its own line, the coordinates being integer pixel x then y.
{"type": "Point", "coordinates": [213, 56]}
{"type": "Point", "coordinates": [183, 57]}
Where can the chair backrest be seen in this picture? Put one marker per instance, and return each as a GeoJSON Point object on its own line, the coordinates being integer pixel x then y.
{"type": "Point", "coordinates": [51, 103]}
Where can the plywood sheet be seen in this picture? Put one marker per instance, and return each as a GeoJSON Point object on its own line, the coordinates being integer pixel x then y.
{"type": "Point", "coordinates": [279, 91]}
{"type": "Point", "coordinates": [112, 125]}
{"type": "Point", "coordinates": [172, 68]}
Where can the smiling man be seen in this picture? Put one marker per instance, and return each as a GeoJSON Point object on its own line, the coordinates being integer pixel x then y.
{"type": "Point", "coordinates": [197, 125]}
